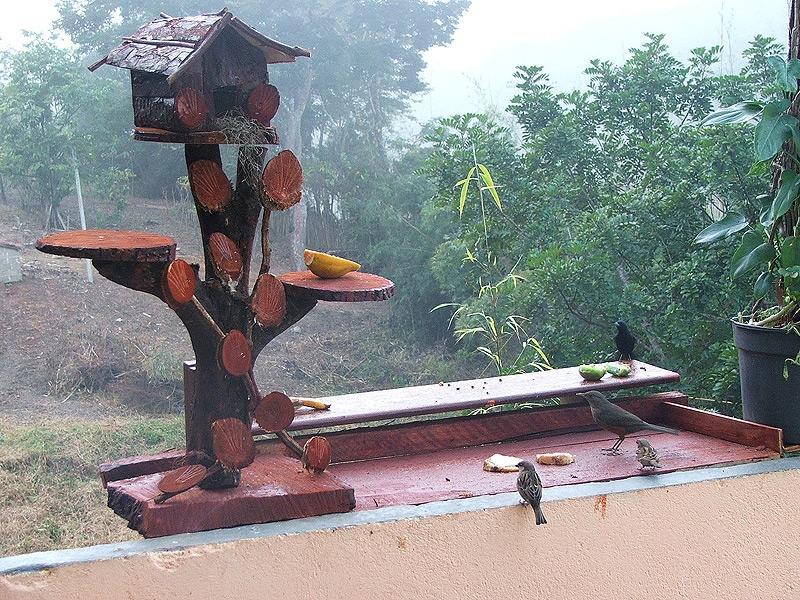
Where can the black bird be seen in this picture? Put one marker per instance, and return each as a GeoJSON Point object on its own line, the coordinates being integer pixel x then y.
{"type": "Point", "coordinates": [625, 341]}
{"type": "Point", "coordinates": [529, 487]}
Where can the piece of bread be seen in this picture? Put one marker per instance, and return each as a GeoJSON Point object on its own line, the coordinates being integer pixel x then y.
{"type": "Point", "coordinates": [555, 458]}
{"type": "Point", "coordinates": [499, 463]}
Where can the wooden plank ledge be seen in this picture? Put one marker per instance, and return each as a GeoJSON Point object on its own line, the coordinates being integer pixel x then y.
{"type": "Point", "coordinates": [440, 398]}
{"type": "Point", "coordinates": [722, 427]}
{"type": "Point", "coordinates": [458, 472]}
{"type": "Point", "coordinates": [423, 436]}
{"type": "Point", "coordinates": [352, 287]}
{"type": "Point", "coordinates": [110, 245]}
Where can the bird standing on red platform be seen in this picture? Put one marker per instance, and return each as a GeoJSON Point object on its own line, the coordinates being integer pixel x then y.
{"type": "Point", "coordinates": [617, 420]}
{"type": "Point", "coordinates": [529, 486]}
{"type": "Point", "coordinates": [647, 455]}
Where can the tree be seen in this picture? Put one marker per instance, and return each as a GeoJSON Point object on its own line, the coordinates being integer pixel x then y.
{"type": "Point", "coordinates": [601, 203]}
{"type": "Point", "coordinates": [365, 67]}
{"type": "Point", "coordinates": [50, 112]}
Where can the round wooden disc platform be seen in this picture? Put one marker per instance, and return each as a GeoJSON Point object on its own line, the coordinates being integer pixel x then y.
{"type": "Point", "coordinates": [110, 245]}
{"type": "Point", "coordinates": [353, 287]}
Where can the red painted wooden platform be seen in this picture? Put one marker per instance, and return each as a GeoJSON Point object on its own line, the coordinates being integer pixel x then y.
{"type": "Point", "coordinates": [458, 472]}
{"type": "Point", "coordinates": [273, 488]}
{"type": "Point", "coordinates": [110, 245]}
{"type": "Point", "coordinates": [268, 135]}
{"type": "Point", "coordinates": [415, 462]}
{"type": "Point", "coordinates": [352, 287]}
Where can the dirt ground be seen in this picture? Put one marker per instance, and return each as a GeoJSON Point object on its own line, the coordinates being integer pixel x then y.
{"type": "Point", "coordinates": [71, 349]}
{"type": "Point", "coordinates": [91, 372]}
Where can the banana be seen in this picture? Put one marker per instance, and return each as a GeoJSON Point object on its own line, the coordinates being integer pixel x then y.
{"type": "Point", "coordinates": [328, 266]}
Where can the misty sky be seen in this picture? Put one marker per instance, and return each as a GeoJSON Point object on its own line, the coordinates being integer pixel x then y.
{"type": "Point", "coordinates": [474, 72]}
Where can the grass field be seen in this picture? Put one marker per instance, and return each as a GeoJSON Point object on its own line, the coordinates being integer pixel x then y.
{"type": "Point", "coordinates": [50, 494]}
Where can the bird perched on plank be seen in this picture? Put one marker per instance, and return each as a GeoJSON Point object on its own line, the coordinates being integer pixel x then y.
{"type": "Point", "coordinates": [529, 487]}
{"type": "Point", "coordinates": [616, 419]}
{"type": "Point", "coordinates": [625, 341]}
{"type": "Point", "coordinates": [646, 455]}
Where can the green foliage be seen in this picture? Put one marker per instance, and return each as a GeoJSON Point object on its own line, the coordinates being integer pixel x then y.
{"type": "Point", "coordinates": [486, 323]}
{"type": "Point", "coordinates": [162, 366]}
{"type": "Point", "coordinates": [768, 246]}
{"type": "Point", "coordinates": [336, 108]}
{"type": "Point", "coordinates": [602, 201]}
{"type": "Point", "coordinates": [50, 109]}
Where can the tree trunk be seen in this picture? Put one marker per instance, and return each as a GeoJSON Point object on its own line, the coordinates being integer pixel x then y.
{"type": "Point", "coordinates": [293, 140]}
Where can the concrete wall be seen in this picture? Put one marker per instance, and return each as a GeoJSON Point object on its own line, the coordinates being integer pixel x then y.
{"type": "Point", "coordinates": [710, 534]}
{"type": "Point", "coordinates": [10, 264]}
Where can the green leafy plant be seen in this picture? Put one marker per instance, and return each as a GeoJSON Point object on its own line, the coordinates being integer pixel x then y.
{"type": "Point", "coordinates": [493, 332]}
{"type": "Point", "coordinates": [769, 249]}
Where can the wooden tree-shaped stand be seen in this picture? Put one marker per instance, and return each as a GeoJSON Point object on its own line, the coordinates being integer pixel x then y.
{"type": "Point", "coordinates": [229, 325]}
{"type": "Point", "coordinates": [202, 81]}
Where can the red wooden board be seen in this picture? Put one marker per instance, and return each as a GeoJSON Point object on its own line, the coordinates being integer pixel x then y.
{"type": "Point", "coordinates": [471, 394]}
{"type": "Point", "coordinates": [722, 427]}
{"type": "Point", "coordinates": [151, 134]}
{"type": "Point", "coordinates": [459, 473]}
{"type": "Point", "coordinates": [427, 436]}
{"type": "Point", "coordinates": [110, 245]}
{"type": "Point", "coordinates": [420, 437]}
{"type": "Point", "coordinates": [353, 287]}
{"type": "Point", "coordinates": [273, 488]}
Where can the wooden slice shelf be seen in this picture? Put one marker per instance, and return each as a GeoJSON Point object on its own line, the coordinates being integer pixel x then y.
{"type": "Point", "coordinates": [151, 134]}
{"type": "Point", "coordinates": [353, 287]}
{"type": "Point", "coordinates": [110, 245]}
{"type": "Point", "coordinates": [274, 488]}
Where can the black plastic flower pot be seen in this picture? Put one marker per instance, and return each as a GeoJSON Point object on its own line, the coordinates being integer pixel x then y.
{"type": "Point", "coordinates": [768, 397]}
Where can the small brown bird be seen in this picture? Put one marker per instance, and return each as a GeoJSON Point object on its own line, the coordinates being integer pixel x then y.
{"type": "Point", "coordinates": [616, 419]}
{"type": "Point", "coordinates": [529, 487]}
{"type": "Point", "coordinates": [646, 455]}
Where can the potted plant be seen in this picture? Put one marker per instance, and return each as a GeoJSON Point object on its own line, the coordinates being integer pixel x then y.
{"type": "Point", "coordinates": [768, 335]}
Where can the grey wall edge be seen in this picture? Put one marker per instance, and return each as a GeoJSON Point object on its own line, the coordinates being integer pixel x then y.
{"type": "Point", "coordinates": [39, 561]}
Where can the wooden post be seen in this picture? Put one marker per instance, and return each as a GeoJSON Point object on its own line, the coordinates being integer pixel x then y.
{"type": "Point", "coordinates": [79, 192]}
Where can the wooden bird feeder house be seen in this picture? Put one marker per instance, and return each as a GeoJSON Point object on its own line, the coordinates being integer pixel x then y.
{"type": "Point", "coordinates": [191, 75]}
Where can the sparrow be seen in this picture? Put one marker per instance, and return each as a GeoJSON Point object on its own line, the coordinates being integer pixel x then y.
{"type": "Point", "coordinates": [616, 419]}
{"type": "Point", "coordinates": [646, 455]}
{"type": "Point", "coordinates": [529, 487]}
{"type": "Point", "coordinates": [624, 340]}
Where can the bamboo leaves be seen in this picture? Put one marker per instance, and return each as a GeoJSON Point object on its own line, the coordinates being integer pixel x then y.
{"type": "Point", "coordinates": [484, 182]}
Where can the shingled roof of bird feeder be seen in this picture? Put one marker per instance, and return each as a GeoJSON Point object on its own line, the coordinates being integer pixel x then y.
{"type": "Point", "coordinates": [167, 45]}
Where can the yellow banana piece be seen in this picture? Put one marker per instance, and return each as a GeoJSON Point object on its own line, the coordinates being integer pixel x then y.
{"type": "Point", "coordinates": [328, 266]}
{"type": "Point", "coordinates": [311, 403]}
